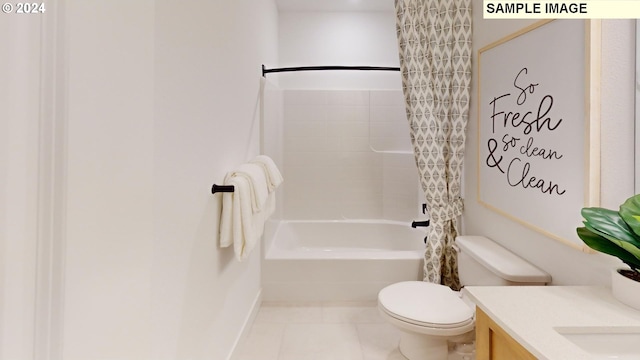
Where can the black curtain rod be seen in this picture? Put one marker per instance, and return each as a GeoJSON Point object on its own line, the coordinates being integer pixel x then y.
{"type": "Point", "coordinates": [314, 68]}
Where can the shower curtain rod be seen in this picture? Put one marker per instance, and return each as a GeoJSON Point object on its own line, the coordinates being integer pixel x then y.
{"type": "Point", "coordinates": [332, 67]}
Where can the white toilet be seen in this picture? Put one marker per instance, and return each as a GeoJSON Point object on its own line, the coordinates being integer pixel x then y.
{"type": "Point", "coordinates": [433, 318]}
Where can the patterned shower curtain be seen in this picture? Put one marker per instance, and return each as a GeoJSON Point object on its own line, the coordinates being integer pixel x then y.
{"type": "Point", "coordinates": [434, 38]}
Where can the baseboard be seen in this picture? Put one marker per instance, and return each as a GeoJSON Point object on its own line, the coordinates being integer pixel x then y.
{"type": "Point", "coordinates": [246, 327]}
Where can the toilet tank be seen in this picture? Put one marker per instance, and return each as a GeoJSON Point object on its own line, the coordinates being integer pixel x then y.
{"type": "Point", "coordinates": [484, 262]}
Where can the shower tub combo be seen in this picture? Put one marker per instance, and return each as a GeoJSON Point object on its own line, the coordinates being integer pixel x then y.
{"type": "Point", "coordinates": [339, 260]}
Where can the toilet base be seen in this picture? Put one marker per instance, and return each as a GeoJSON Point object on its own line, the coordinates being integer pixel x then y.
{"type": "Point", "coordinates": [420, 347]}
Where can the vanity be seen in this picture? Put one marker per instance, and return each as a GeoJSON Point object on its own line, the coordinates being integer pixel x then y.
{"type": "Point", "coordinates": [553, 322]}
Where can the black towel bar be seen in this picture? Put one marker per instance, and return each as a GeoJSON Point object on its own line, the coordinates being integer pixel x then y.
{"type": "Point", "coordinates": [222, 188]}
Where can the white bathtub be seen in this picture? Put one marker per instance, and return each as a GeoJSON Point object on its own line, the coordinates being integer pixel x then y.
{"type": "Point", "coordinates": [339, 260]}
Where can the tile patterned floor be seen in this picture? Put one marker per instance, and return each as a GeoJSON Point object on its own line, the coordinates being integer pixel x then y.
{"type": "Point", "coordinates": [327, 331]}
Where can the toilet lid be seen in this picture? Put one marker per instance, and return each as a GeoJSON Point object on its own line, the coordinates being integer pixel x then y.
{"type": "Point", "coordinates": [425, 304]}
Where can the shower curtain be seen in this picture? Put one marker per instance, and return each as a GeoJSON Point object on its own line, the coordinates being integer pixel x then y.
{"type": "Point", "coordinates": [434, 38]}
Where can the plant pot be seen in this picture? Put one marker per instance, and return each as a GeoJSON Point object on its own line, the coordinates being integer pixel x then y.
{"type": "Point", "coordinates": [624, 289]}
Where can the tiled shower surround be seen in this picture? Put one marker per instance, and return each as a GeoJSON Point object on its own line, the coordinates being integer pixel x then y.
{"type": "Point", "coordinates": [347, 155]}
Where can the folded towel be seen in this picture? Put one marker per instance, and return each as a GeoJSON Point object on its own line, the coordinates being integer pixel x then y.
{"type": "Point", "coordinates": [238, 224]}
{"type": "Point", "coordinates": [258, 188]}
{"type": "Point", "coordinates": [273, 175]}
{"type": "Point", "coordinates": [245, 210]}
{"type": "Point", "coordinates": [226, 217]}
{"type": "Point", "coordinates": [244, 220]}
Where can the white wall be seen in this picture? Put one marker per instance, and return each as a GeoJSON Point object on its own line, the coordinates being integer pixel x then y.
{"type": "Point", "coordinates": [331, 126]}
{"type": "Point", "coordinates": [338, 38]}
{"type": "Point", "coordinates": [353, 147]}
{"type": "Point", "coordinates": [160, 99]}
{"type": "Point", "coordinates": [206, 90]}
{"type": "Point", "coordinates": [565, 264]}
{"type": "Point", "coordinates": [19, 116]}
{"type": "Point", "coordinates": [110, 153]}
{"type": "Point", "coordinates": [163, 100]}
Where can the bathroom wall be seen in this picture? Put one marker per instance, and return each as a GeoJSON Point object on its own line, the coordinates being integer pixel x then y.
{"type": "Point", "coordinates": [109, 180]}
{"type": "Point", "coordinates": [273, 145]}
{"type": "Point", "coordinates": [207, 72]}
{"type": "Point", "coordinates": [347, 154]}
{"type": "Point", "coordinates": [565, 264]}
{"type": "Point", "coordinates": [19, 118]}
{"type": "Point", "coordinates": [163, 99]}
{"type": "Point", "coordinates": [356, 38]}
{"type": "Point", "coordinates": [344, 131]}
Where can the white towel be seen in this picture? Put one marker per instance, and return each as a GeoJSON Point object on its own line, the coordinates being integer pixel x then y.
{"type": "Point", "coordinates": [238, 224]}
{"type": "Point", "coordinates": [258, 188]}
{"type": "Point", "coordinates": [226, 217]}
{"type": "Point", "coordinates": [244, 220]}
{"type": "Point", "coordinates": [273, 175]}
{"type": "Point", "coordinates": [245, 210]}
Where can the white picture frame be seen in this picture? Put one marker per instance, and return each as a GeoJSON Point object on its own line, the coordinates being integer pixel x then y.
{"type": "Point", "coordinates": [539, 126]}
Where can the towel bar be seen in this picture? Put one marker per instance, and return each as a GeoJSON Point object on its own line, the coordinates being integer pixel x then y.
{"type": "Point", "coordinates": [222, 188]}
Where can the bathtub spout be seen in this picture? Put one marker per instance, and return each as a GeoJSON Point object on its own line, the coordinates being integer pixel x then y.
{"type": "Point", "coordinates": [416, 224]}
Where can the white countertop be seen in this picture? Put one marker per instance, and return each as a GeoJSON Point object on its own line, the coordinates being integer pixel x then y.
{"type": "Point", "coordinates": [530, 314]}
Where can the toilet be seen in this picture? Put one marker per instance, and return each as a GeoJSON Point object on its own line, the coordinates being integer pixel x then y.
{"type": "Point", "coordinates": [434, 320]}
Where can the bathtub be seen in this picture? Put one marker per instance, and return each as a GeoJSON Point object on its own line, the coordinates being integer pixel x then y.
{"type": "Point", "coordinates": [339, 260]}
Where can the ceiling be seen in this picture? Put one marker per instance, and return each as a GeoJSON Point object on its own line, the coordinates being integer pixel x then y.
{"type": "Point", "coordinates": [335, 5]}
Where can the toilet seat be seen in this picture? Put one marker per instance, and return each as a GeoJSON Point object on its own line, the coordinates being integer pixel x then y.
{"type": "Point", "coordinates": [426, 307]}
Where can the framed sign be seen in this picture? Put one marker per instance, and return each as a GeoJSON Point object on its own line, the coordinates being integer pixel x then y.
{"type": "Point", "coordinates": [538, 126]}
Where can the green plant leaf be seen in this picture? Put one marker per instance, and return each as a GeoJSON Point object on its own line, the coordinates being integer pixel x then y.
{"type": "Point", "coordinates": [611, 223]}
{"type": "Point", "coordinates": [630, 213]}
{"type": "Point", "coordinates": [599, 243]}
{"type": "Point", "coordinates": [633, 250]}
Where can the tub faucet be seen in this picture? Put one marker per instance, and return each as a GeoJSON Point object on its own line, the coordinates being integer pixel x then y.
{"type": "Point", "coordinates": [416, 224]}
{"type": "Point", "coordinates": [425, 223]}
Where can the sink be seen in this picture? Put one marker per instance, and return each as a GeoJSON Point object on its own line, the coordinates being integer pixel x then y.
{"type": "Point", "coordinates": [621, 343]}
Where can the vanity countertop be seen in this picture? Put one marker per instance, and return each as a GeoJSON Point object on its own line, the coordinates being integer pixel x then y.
{"type": "Point", "coordinates": [531, 315]}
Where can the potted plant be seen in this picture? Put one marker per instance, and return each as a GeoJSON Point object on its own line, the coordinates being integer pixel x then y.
{"type": "Point", "coordinates": [617, 233]}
